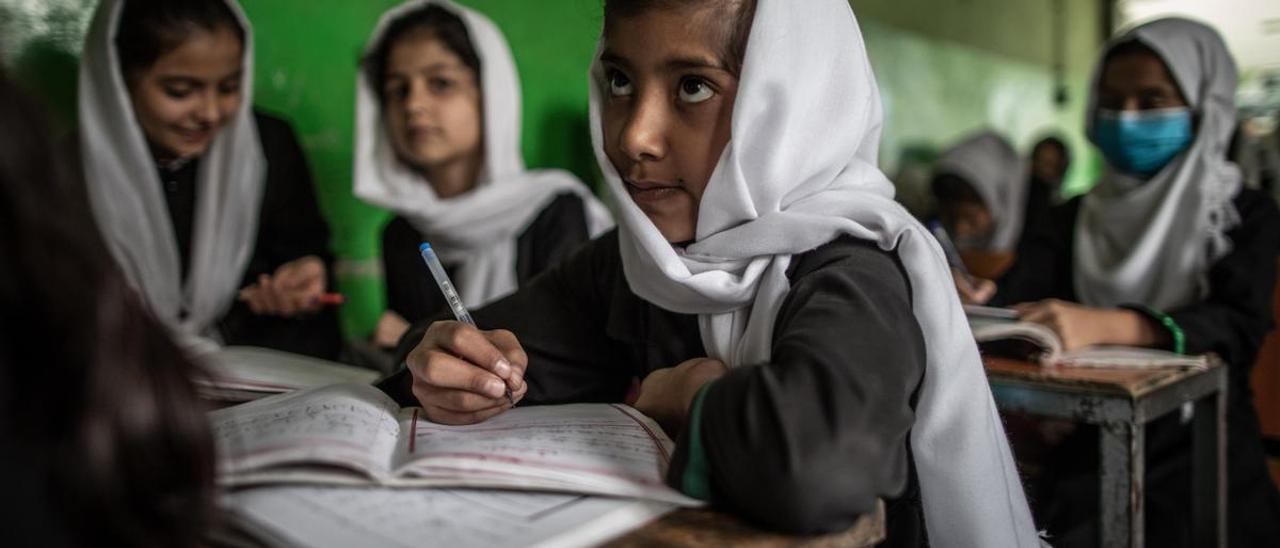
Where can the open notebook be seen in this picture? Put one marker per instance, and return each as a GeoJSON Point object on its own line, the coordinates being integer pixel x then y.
{"type": "Point", "coordinates": [246, 373]}
{"type": "Point", "coordinates": [354, 434]}
{"type": "Point", "coordinates": [338, 517]}
{"type": "Point", "coordinates": [999, 332]}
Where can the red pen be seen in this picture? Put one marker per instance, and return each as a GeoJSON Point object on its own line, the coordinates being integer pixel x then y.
{"type": "Point", "coordinates": [330, 299]}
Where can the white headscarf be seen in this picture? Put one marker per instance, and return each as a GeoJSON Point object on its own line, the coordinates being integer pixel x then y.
{"type": "Point", "coordinates": [1153, 242]}
{"type": "Point", "coordinates": [799, 171]}
{"type": "Point", "coordinates": [987, 162]}
{"type": "Point", "coordinates": [478, 230]}
{"type": "Point", "coordinates": [124, 189]}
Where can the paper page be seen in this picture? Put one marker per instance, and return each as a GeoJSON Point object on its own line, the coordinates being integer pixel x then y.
{"type": "Point", "coordinates": [1124, 357]}
{"type": "Point", "coordinates": [265, 370]}
{"type": "Point", "coordinates": [990, 312]}
{"type": "Point", "coordinates": [325, 517]}
{"type": "Point", "coordinates": [586, 448]}
{"type": "Point", "coordinates": [346, 425]}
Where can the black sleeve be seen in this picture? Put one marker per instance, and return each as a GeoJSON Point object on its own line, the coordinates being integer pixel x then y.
{"type": "Point", "coordinates": [554, 235]}
{"type": "Point", "coordinates": [290, 226]}
{"type": "Point", "coordinates": [809, 441]}
{"type": "Point", "coordinates": [560, 318]}
{"type": "Point", "coordinates": [411, 290]}
{"type": "Point", "coordinates": [1236, 316]}
{"type": "Point", "coordinates": [1042, 269]}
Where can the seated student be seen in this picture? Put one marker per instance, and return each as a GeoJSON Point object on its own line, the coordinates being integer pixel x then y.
{"type": "Point", "coordinates": [981, 189]}
{"type": "Point", "coordinates": [1050, 159]}
{"type": "Point", "coordinates": [206, 205]}
{"type": "Point", "coordinates": [792, 324]}
{"type": "Point", "coordinates": [103, 445]}
{"type": "Point", "coordinates": [1168, 251]}
{"type": "Point", "coordinates": [438, 142]}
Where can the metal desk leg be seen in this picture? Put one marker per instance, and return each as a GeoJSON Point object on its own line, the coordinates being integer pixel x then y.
{"type": "Point", "coordinates": [1122, 474]}
{"type": "Point", "coordinates": [1208, 472]}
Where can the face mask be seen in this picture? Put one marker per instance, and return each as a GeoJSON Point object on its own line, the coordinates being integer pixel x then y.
{"type": "Point", "coordinates": [1142, 142]}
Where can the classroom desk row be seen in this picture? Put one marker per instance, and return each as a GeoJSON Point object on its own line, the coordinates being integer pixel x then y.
{"type": "Point", "coordinates": [1121, 402]}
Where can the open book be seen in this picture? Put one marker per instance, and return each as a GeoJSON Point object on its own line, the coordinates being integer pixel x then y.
{"type": "Point", "coordinates": [354, 434]}
{"type": "Point", "coordinates": [998, 332]}
{"type": "Point", "coordinates": [337, 517]}
{"type": "Point", "coordinates": [245, 373]}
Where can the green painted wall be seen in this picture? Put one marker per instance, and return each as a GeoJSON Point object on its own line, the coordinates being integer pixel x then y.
{"type": "Point", "coordinates": [945, 67]}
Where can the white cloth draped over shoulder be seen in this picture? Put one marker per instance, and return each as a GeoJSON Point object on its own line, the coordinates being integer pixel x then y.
{"type": "Point", "coordinates": [800, 171]}
{"type": "Point", "coordinates": [477, 231]}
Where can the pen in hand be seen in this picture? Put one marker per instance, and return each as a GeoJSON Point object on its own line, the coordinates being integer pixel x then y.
{"type": "Point", "coordinates": [451, 295]}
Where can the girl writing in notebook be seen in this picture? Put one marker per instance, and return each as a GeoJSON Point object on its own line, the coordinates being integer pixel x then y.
{"type": "Point", "coordinates": [438, 143]}
{"type": "Point", "coordinates": [206, 204]}
{"type": "Point", "coordinates": [783, 314]}
{"type": "Point", "coordinates": [1168, 250]}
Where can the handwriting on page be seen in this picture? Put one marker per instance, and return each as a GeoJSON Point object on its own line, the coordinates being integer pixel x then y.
{"type": "Point", "coordinates": [334, 424]}
{"type": "Point", "coordinates": [593, 439]}
{"type": "Point", "coordinates": [333, 517]}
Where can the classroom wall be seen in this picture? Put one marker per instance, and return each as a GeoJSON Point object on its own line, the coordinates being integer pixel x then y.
{"type": "Point", "coordinates": [945, 67]}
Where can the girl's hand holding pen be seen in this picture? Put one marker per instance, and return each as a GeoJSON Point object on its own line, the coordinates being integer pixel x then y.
{"type": "Point", "coordinates": [461, 374]}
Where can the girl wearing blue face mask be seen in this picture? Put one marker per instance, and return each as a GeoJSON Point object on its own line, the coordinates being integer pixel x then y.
{"type": "Point", "coordinates": [1168, 250]}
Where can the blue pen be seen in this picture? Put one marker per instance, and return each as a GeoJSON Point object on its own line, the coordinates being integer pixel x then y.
{"type": "Point", "coordinates": [450, 294]}
{"type": "Point", "coordinates": [950, 251]}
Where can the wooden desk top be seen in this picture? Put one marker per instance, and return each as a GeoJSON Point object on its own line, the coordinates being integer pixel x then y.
{"type": "Point", "coordinates": [1133, 383]}
{"type": "Point", "coordinates": [702, 527]}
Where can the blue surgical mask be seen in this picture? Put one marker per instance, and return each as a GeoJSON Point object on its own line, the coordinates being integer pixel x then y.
{"type": "Point", "coordinates": [1142, 142]}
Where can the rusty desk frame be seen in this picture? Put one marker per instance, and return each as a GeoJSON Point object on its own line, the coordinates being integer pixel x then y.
{"type": "Point", "coordinates": [697, 527]}
{"type": "Point", "coordinates": [1121, 403]}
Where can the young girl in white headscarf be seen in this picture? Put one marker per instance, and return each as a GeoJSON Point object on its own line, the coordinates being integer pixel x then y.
{"type": "Point", "coordinates": [789, 323]}
{"type": "Point", "coordinates": [1169, 250]}
{"type": "Point", "coordinates": [206, 204]}
{"type": "Point", "coordinates": [981, 188]}
{"type": "Point", "coordinates": [438, 143]}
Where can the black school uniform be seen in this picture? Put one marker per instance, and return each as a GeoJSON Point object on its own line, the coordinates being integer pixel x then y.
{"type": "Point", "coordinates": [1232, 322]}
{"type": "Point", "coordinates": [412, 292]}
{"type": "Point", "coordinates": [290, 227]}
{"type": "Point", "coordinates": [804, 444]}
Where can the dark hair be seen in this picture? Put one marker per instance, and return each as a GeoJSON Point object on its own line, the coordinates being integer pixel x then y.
{"type": "Point", "coordinates": [1055, 142]}
{"type": "Point", "coordinates": [732, 18]}
{"type": "Point", "coordinates": [949, 188]}
{"type": "Point", "coordinates": [149, 29]}
{"type": "Point", "coordinates": [97, 407]}
{"type": "Point", "coordinates": [432, 20]}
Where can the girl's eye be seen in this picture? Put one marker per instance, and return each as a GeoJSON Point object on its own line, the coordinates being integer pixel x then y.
{"type": "Point", "coordinates": [440, 85]}
{"type": "Point", "coordinates": [230, 88]}
{"type": "Point", "coordinates": [619, 85]}
{"type": "Point", "coordinates": [695, 90]}
{"type": "Point", "coordinates": [177, 92]}
{"type": "Point", "coordinates": [396, 91]}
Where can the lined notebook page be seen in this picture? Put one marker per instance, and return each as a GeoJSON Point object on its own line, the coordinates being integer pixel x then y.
{"type": "Point", "coordinates": [578, 444]}
{"type": "Point", "coordinates": [339, 517]}
{"type": "Point", "coordinates": [345, 425]}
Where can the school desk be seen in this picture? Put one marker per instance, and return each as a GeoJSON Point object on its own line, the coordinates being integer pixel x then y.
{"type": "Point", "coordinates": [701, 527]}
{"type": "Point", "coordinates": [1121, 403]}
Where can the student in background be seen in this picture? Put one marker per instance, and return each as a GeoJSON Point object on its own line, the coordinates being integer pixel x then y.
{"type": "Point", "coordinates": [1050, 159]}
{"type": "Point", "coordinates": [980, 186]}
{"type": "Point", "coordinates": [104, 444]}
{"type": "Point", "coordinates": [782, 311]}
{"type": "Point", "coordinates": [1168, 251]}
{"type": "Point", "coordinates": [438, 143]}
{"type": "Point", "coordinates": [207, 206]}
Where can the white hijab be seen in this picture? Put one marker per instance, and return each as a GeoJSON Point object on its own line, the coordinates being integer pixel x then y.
{"type": "Point", "coordinates": [478, 230]}
{"type": "Point", "coordinates": [987, 162]}
{"type": "Point", "coordinates": [124, 190]}
{"type": "Point", "coordinates": [799, 172]}
{"type": "Point", "coordinates": [1153, 242]}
